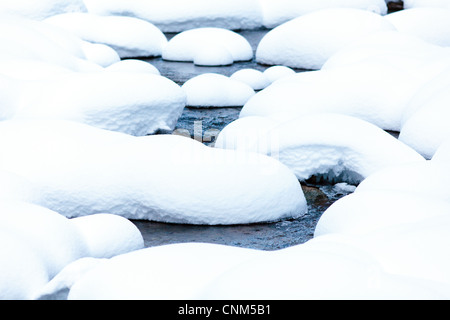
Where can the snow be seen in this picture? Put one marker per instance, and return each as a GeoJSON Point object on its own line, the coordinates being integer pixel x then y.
{"type": "Point", "coordinates": [129, 37]}
{"type": "Point", "coordinates": [371, 91]}
{"type": "Point", "coordinates": [408, 4]}
{"type": "Point", "coordinates": [174, 271]}
{"type": "Point", "coordinates": [216, 90]}
{"type": "Point", "coordinates": [254, 78]}
{"type": "Point", "coordinates": [277, 72]}
{"type": "Point", "coordinates": [107, 235]}
{"type": "Point", "coordinates": [319, 144]}
{"type": "Point", "coordinates": [320, 269]}
{"type": "Point", "coordinates": [133, 103]}
{"type": "Point", "coordinates": [100, 54]}
{"type": "Point", "coordinates": [308, 41]}
{"type": "Point", "coordinates": [429, 24]}
{"type": "Point", "coordinates": [364, 212]}
{"type": "Point", "coordinates": [179, 15]}
{"type": "Point", "coordinates": [208, 46]}
{"type": "Point", "coordinates": [133, 65]}
{"type": "Point", "coordinates": [41, 9]}
{"type": "Point", "coordinates": [281, 11]}
{"type": "Point", "coordinates": [82, 170]}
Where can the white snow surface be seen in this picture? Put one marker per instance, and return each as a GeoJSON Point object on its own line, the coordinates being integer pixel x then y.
{"type": "Point", "coordinates": [133, 65]}
{"type": "Point", "coordinates": [216, 90]}
{"type": "Point", "coordinates": [429, 24]}
{"type": "Point", "coordinates": [274, 73]}
{"type": "Point", "coordinates": [281, 11]}
{"type": "Point", "coordinates": [82, 170]}
{"type": "Point", "coordinates": [254, 78]}
{"type": "Point", "coordinates": [371, 91]}
{"type": "Point", "coordinates": [208, 46]}
{"type": "Point", "coordinates": [129, 102]}
{"type": "Point", "coordinates": [100, 54]}
{"type": "Point", "coordinates": [41, 9]}
{"type": "Point", "coordinates": [308, 41]}
{"type": "Point", "coordinates": [320, 269]}
{"type": "Point", "coordinates": [408, 4]}
{"type": "Point", "coordinates": [179, 15]}
{"type": "Point", "coordinates": [129, 37]}
{"type": "Point", "coordinates": [320, 144]}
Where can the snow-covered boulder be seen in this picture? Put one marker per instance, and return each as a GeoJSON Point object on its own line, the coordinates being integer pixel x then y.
{"type": "Point", "coordinates": [427, 127]}
{"type": "Point", "coordinates": [24, 39]}
{"type": "Point", "coordinates": [133, 65]}
{"type": "Point", "coordinates": [208, 46]}
{"type": "Point", "coordinates": [51, 236]}
{"type": "Point", "coordinates": [308, 41]}
{"type": "Point", "coordinates": [254, 78]}
{"type": "Point", "coordinates": [409, 4]}
{"type": "Point", "coordinates": [41, 9]}
{"type": "Point", "coordinates": [424, 179]}
{"type": "Point", "coordinates": [16, 188]}
{"type": "Point", "coordinates": [100, 54]}
{"type": "Point", "coordinates": [370, 91]}
{"type": "Point", "coordinates": [281, 11]}
{"type": "Point", "coordinates": [317, 270]}
{"type": "Point", "coordinates": [429, 24]}
{"type": "Point", "coordinates": [365, 212]}
{"type": "Point", "coordinates": [320, 145]}
{"type": "Point", "coordinates": [129, 37]}
{"type": "Point", "coordinates": [180, 15]}
{"type": "Point", "coordinates": [216, 90]}
{"type": "Point", "coordinates": [277, 72]}
{"type": "Point", "coordinates": [157, 272]}
{"type": "Point", "coordinates": [23, 272]}
{"type": "Point", "coordinates": [129, 102]}
{"type": "Point", "coordinates": [82, 170]}
{"type": "Point", "coordinates": [108, 235]}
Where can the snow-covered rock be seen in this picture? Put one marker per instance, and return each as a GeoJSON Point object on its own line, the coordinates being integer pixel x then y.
{"type": "Point", "coordinates": [133, 65]}
{"type": "Point", "coordinates": [129, 37]}
{"type": "Point", "coordinates": [424, 179]}
{"type": "Point", "coordinates": [157, 272]}
{"type": "Point", "coordinates": [41, 9]}
{"type": "Point", "coordinates": [179, 15]}
{"type": "Point", "coordinates": [317, 270]}
{"type": "Point", "coordinates": [370, 91]}
{"type": "Point", "coordinates": [208, 46]}
{"type": "Point", "coordinates": [429, 24]}
{"type": "Point", "coordinates": [427, 127]}
{"type": "Point", "coordinates": [281, 11]}
{"type": "Point", "coordinates": [24, 39]}
{"type": "Point", "coordinates": [129, 102]}
{"type": "Point", "coordinates": [82, 170]}
{"type": "Point", "coordinates": [277, 72]}
{"type": "Point", "coordinates": [100, 54]}
{"type": "Point", "coordinates": [51, 236]}
{"type": "Point", "coordinates": [23, 272]}
{"type": "Point", "coordinates": [108, 235]}
{"type": "Point", "coordinates": [216, 90]}
{"type": "Point", "coordinates": [320, 144]}
{"type": "Point", "coordinates": [364, 212]}
{"type": "Point", "coordinates": [408, 4]}
{"type": "Point", "coordinates": [254, 78]}
{"type": "Point", "coordinates": [308, 41]}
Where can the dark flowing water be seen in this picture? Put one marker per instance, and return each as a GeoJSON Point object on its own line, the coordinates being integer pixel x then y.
{"type": "Point", "coordinates": [263, 236]}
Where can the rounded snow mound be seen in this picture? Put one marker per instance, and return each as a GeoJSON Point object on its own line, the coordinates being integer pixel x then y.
{"type": "Point", "coordinates": [82, 170]}
{"type": "Point", "coordinates": [277, 72]}
{"type": "Point", "coordinates": [254, 78]}
{"type": "Point", "coordinates": [281, 11]}
{"type": "Point", "coordinates": [308, 41]}
{"type": "Point", "coordinates": [129, 37]}
{"type": "Point", "coordinates": [321, 145]}
{"type": "Point", "coordinates": [133, 65]}
{"type": "Point", "coordinates": [371, 91]}
{"type": "Point", "coordinates": [208, 46]}
{"type": "Point", "coordinates": [429, 24]}
{"type": "Point", "coordinates": [408, 4]}
{"type": "Point", "coordinates": [180, 15]}
{"type": "Point", "coordinates": [39, 10]}
{"type": "Point", "coordinates": [216, 90]}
